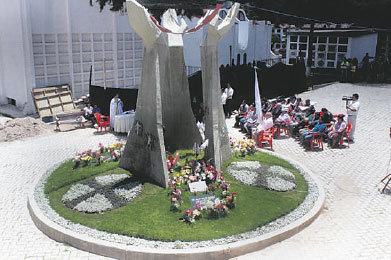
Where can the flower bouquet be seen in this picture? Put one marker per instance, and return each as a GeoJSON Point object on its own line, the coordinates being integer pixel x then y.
{"type": "Point", "coordinates": [86, 160]}
{"type": "Point", "coordinates": [191, 215]}
{"type": "Point", "coordinates": [76, 161]}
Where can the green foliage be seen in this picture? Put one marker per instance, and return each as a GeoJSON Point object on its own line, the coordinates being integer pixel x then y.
{"type": "Point", "coordinates": [148, 216]}
{"type": "Point", "coordinates": [372, 13]}
{"type": "Point", "coordinates": [64, 175]}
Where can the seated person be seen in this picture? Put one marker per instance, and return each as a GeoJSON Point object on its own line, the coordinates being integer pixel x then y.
{"type": "Point", "coordinates": [250, 117]}
{"type": "Point", "coordinates": [276, 110]}
{"type": "Point", "coordinates": [265, 125]}
{"type": "Point", "coordinates": [243, 109]}
{"type": "Point", "coordinates": [283, 118]}
{"type": "Point", "coordinates": [89, 114]}
{"type": "Point", "coordinates": [336, 134]}
{"type": "Point", "coordinates": [251, 122]}
{"type": "Point", "coordinates": [96, 109]}
{"type": "Point", "coordinates": [327, 116]}
{"type": "Point", "coordinates": [319, 128]}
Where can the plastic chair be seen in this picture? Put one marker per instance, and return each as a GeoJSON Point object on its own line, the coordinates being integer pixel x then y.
{"type": "Point", "coordinates": [345, 135]}
{"type": "Point", "coordinates": [317, 139]}
{"type": "Point", "coordinates": [102, 121]}
{"type": "Point", "coordinates": [284, 128]}
{"type": "Point", "coordinates": [267, 136]}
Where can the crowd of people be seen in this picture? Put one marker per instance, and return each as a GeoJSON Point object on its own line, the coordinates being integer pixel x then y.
{"type": "Point", "coordinates": [300, 119]}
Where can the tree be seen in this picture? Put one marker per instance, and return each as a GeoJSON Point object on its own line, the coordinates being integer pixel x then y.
{"type": "Point", "coordinates": [374, 13]}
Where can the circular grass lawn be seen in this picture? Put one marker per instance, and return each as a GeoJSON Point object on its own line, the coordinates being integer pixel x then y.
{"type": "Point", "coordinates": [149, 216]}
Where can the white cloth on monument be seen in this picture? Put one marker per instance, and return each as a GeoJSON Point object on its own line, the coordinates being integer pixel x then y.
{"type": "Point", "coordinates": [115, 109]}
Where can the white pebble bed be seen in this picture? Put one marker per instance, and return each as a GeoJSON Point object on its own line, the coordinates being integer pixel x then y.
{"type": "Point", "coordinates": [76, 191]}
{"type": "Point", "coordinates": [107, 180]}
{"type": "Point", "coordinates": [98, 203]}
{"type": "Point", "coordinates": [129, 191]}
{"type": "Point", "coordinates": [294, 215]}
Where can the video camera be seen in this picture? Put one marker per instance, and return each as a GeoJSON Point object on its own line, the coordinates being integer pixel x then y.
{"type": "Point", "coordinates": [347, 98]}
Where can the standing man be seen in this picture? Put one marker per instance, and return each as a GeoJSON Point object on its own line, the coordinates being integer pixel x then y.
{"type": "Point", "coordinates": [352, 111]}
{"type": "Point", "coordinates": [344, 70]}
{"type": "Point", "coordinates": [230, 93]}
{"type": "Point", "coordinates": [224, 101]}
{"type": "Point", "coordinates": [116, 108]}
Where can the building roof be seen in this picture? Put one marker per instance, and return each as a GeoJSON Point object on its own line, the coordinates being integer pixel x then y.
{"type": "Point", "coordinates": [334, 32]}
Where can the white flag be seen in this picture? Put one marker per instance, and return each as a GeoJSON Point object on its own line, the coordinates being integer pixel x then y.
{"type": "Point", "coordinates": [258, 103]}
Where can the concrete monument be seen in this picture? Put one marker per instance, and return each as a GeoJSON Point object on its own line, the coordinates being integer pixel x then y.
{"type": "Point", "coordinates": [215, 128]}
{"type": "Point", "coordinates": [163, 104]}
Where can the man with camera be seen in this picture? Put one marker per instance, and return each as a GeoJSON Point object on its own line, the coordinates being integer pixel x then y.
{"type": "Point", "coordinates": [352, 111]}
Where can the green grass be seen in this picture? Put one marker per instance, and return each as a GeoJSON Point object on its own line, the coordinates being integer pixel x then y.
{"type": "Point", "coordinates": [148, 216]}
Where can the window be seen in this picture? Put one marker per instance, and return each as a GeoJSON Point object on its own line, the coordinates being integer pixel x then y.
{"type": "Point", "coordinates": [330, 64]}
{"type": "Point", "coordinates": [238, 59]}
{"type": "Point", "coordinates": [342, 48]}
{"type": "Point", "coordinates": [332, 39]}
{"type": "Point", "coordinates": [245, 59]}
{"type": "Point", "coordinates": [302, 47]}
{"type": "Point", "coordinates": [322, 39]}
{"type": "Point", "coordinates": [223, 14]}
{"type": "Point", "coordinates": [320, 55]}
{"type": "Point", "coordinates": [321, 47]}
{"type": "Point", "coordinates": [332, 48]}
{"type": "Point", "coordinates": [303, 39]}
{"type": "Point", "coordinates": [293, 38]}
{"type": "Point", "coordinates": [241, 16]}
{"type": "Point", "coordinates": [343, 40]}
{"type": "Point", "coordinates": [331, 56]}
{"type": "Point", "coordinates": [293, 46]}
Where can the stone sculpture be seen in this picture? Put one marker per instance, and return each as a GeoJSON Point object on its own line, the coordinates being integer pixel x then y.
{"type": "Point", "coordinates": [215, 128]}
{"type": "Point", "coordinates": [164, 117]}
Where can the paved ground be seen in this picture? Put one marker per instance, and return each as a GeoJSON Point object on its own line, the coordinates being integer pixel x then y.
{"type": "Point", "coordinates": [21, 164]}
{"type": "Point", "coordinates": [354, 225]}
{"type": "Point", "coordinates": [356, 222]}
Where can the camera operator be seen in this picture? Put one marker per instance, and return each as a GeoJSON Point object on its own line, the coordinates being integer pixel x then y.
{"type": "Point", "coordinates": [352, 111]}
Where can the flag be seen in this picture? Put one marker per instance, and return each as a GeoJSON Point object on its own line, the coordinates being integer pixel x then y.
{"type": "Point", "coordinates": [258, 103]}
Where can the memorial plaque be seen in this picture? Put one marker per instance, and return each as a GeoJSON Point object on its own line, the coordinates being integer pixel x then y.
{"type": "Point", "coordinates": [199, 186]}
{"type": "Point", "coordinates": [202, 199]}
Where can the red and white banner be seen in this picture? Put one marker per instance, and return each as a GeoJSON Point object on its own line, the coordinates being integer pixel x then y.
{"type": "Point", "coordinates": [204, 22]}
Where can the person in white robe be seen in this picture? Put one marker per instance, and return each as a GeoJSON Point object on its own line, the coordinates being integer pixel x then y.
{"type": "Point", "coordinates": [116, 108]}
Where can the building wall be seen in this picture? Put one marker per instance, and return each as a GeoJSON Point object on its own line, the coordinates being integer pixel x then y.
{"type": "Point", "coordinates": [53, 42]}
{"type": "Point", "coordinates": [15, 58]}
{"type": "Point", "coordinates": [329, 50]}
{"type": "Point", "coordinates": [363, 44]}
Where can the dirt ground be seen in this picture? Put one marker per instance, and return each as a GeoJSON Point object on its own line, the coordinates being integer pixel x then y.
{"type": "Point", "coordinates": [14, 129]}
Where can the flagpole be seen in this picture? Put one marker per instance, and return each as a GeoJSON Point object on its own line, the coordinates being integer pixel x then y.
{"type": "Point", "coordinates": [257, 97]}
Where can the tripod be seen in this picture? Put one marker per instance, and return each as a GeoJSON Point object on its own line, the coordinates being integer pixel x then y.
{"type": "Point", "coordinates": [387, 179]}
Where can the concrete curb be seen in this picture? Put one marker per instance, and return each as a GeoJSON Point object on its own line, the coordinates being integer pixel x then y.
{"type": "Point", "coordinates": [121, 251]}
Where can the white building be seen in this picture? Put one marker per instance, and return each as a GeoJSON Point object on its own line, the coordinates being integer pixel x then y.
{"type": "Point", "coordinates": [330, 45]}
{"type": "Point", "coordinates": [52, 42]}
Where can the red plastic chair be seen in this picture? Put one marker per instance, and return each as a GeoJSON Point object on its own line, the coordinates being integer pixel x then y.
{"type": "Point", "coordinates": [345, 135]}
{"type": "Point", "coordinates": [317, 139]}
{"type": "Point", "coordinates": [102, 121]}
{"type": "Point", "coordinates": [267, 136]}
{"type": "Point", "coordinates": [284, 128]}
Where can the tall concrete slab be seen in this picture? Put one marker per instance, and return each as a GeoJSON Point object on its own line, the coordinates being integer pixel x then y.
{"type": "Point", "coordinates": [179, 122]}
{"type": "Point", "coordinates": [163, 113]}
{"type": "Point", "coordinates": [215, 128]}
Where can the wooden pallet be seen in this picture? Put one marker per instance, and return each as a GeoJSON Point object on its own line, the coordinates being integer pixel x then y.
{"type": "Point", "coordinates": [50, 101]}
